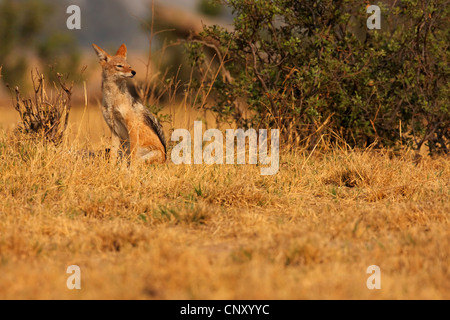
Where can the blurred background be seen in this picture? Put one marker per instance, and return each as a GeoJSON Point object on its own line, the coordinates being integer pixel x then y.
{"type": "Point", "coordinates": [310, 68]}
{"type": "Point", "coordinates": [33, 34]}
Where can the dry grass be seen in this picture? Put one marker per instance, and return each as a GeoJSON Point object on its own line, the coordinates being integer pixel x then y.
{"type": "Point", "coordinates": [222, 232]}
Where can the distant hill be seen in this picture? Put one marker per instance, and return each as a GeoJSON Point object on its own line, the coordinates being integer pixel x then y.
{"type": "Point", "coordinates": [106, 22]}
{"type": "Point", "coordinates": [109, 22]}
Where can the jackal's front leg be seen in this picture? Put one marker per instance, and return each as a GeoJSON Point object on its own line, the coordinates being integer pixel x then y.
{"type": "Point", "coordinates": [115, 147]}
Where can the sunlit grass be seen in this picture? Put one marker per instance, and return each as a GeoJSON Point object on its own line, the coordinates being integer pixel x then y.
{"type": "Point", "coordinates": [222, 231]}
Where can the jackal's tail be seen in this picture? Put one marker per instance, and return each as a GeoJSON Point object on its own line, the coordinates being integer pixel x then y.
{"type": "Point", "coordinates": [153, 123]}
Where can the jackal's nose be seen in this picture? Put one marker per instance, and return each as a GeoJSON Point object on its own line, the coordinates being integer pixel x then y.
{"type": "Point", "coordinates": [133, 72]}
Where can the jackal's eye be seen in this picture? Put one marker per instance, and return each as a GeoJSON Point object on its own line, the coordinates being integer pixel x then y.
{"type": "Point", "coordinates": [119, 66]}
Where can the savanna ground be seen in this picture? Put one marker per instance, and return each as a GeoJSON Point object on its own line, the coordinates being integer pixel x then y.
{"type": "Point", "coordinates": [220, 231]}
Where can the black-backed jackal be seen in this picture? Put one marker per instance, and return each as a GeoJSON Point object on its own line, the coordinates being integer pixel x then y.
{"type": "Point", "coordinates": [135, 130]}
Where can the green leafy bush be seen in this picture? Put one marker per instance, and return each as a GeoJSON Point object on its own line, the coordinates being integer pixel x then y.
{"type": "Point", "coordinates": [312, 69]}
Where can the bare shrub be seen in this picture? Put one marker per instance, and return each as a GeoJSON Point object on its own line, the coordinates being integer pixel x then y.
{"type": "Point", "coordinates": [46, 115]}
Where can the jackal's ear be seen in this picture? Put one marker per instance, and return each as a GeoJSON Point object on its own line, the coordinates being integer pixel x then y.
{"type": "Point", "coordinates": [122, 52]}
{"type": "Point", "coordinates": [102, 55]}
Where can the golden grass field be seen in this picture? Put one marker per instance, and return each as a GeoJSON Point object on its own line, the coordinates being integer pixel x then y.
{"type": "Point", "coordinates": [219, 231]}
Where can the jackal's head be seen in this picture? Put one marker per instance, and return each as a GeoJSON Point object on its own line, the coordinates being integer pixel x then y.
{"type": "Point", "coordinates": [114, 67]}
